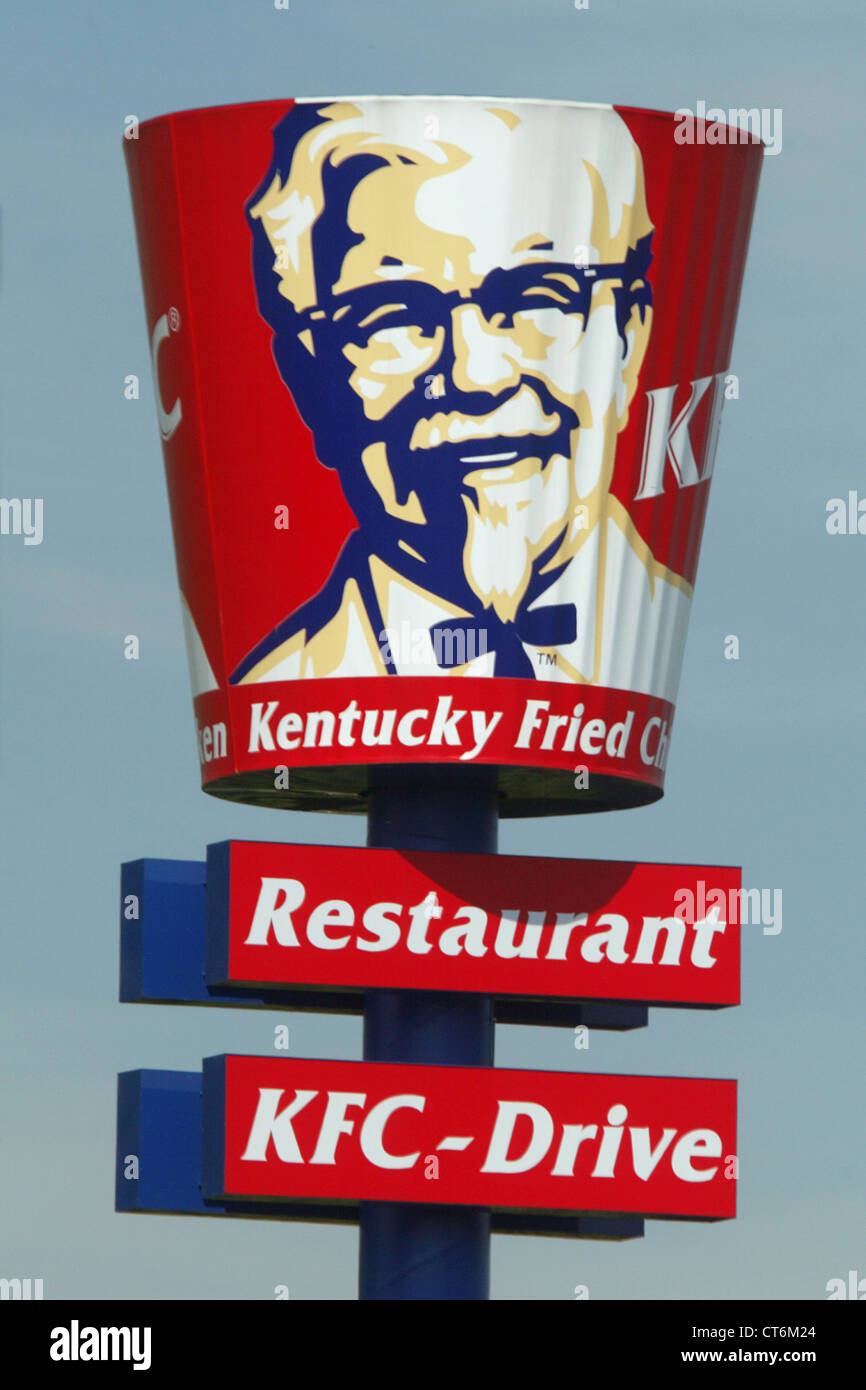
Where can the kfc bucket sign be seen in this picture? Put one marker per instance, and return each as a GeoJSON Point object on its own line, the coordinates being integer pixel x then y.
{"type": "Point", "coordinates": [439, 384]}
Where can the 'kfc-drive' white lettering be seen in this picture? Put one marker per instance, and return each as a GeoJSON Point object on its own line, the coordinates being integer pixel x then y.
{"type": "Point", "coordinates": [564, 1149]}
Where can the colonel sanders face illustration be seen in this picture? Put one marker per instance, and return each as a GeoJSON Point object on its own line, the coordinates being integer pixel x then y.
{"type": "Point", "coordinates": [460, 305]}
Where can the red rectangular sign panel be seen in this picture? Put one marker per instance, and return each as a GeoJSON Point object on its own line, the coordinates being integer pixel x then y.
{"type": "Point", "coordinates": [297, 1129]}
{"type": "Point", "coordinates": [503, 925]}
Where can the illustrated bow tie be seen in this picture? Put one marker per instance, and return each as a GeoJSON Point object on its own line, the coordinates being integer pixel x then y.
{"type": "Point", "coordinates": [458, 640]}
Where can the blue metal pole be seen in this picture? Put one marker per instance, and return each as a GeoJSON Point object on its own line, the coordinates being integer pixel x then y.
{"type": "Point", "coordinates": [411, 1251]}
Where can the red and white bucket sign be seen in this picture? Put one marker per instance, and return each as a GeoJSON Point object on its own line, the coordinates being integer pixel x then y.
{"type": "Point", "coordinates": [531, 1140]}
{"type": "Point", "coordinates": [439, 383]}
{"type": "Point", "coordinates": [509, 926]}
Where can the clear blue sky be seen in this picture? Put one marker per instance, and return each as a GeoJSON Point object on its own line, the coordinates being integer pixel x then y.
{"type": "Point", "coordinates": [97, 755]}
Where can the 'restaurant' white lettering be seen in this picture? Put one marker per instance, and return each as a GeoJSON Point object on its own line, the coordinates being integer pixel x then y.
{"type": "Point", "coordinates": [283, 916]}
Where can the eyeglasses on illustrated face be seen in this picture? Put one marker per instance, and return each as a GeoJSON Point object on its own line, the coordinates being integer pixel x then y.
{"type": "Point", "coordinates": [354, 316]}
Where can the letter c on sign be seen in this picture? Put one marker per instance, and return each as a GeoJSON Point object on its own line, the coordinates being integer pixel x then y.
{"type": "Point", "coordinates": [405, 729]}
{"type": "Point", "coordinates": [373, 1128]}
{"type": "Point", "coordinates": [168, 419]}
{"type": "Point", "coordinates": [647, 758]}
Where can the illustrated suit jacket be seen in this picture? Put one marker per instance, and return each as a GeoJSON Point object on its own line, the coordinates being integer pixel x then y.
{"type": "Point", "coordinates": [614, 624]}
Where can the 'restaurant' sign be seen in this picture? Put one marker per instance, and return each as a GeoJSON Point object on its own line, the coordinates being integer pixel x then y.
{"type": "Point", "coordinates": [438, 457]}
{"type": "Point", "coordinates": [347, 1132]}
{"type": "Point", "coordinates": [313, 915]}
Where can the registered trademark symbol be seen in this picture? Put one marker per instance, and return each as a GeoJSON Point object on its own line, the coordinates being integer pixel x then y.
{"type": "Point", "coordinates": [173, 319]}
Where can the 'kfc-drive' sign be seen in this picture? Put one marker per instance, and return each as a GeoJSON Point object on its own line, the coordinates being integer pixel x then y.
{"type": "Point", "coordinates": [439, 384]}
{"type": "Point", "coordinates": [531, 1140]}
{"type": "Point", "coordinates": [507, 926]}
